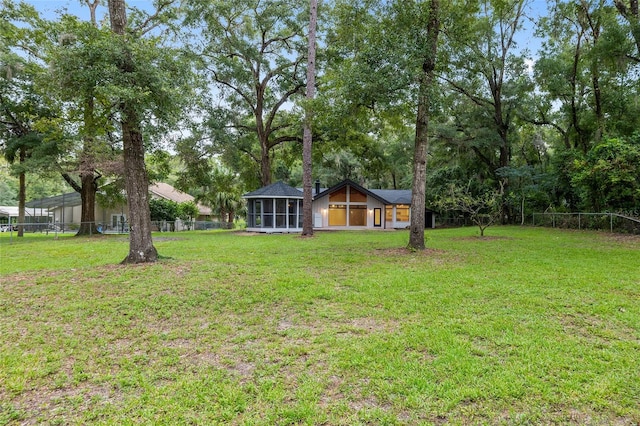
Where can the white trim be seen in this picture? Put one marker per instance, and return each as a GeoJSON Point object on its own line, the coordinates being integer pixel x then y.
{"type": "Point", "coordinates": [274, 196]}
{"type": "Point", "coordinates": [275, 230]}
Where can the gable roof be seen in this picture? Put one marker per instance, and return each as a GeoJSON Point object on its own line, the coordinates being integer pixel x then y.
{"type": "Point", "coordinates": [275, 190]}
{"type": "Point", "coordinates": [168, 192]}
{"type": "Point", "coordinates": [385, 196]}
{"type": "Point", "coordinates": [349, 182]}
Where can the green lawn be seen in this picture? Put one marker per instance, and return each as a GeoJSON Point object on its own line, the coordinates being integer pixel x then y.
{"type": "Point", "coordinates": [526, 326]}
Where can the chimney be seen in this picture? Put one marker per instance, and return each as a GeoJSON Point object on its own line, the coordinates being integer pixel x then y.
{"type": "Point", "coordinates": [317, 186]}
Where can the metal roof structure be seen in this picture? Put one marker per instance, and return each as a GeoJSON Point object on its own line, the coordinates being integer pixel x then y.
{"type": "Point", "coordinates": [160, 189]}
{"type": "Point", "coordinates": [12, 211]}
{"type": "Point", "coordinates": [68, 199]}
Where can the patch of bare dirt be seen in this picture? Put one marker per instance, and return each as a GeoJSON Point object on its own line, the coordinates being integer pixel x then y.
{"type": "Point", "coordinates": [40, 405]}
{"type": "Point", "coordinates": [624, 238]}
{"type": "Point", "coordinates": [403, 251]}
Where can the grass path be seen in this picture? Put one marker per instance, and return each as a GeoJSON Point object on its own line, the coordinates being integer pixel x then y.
{"type": "Point", "coordinates": [527, 326]}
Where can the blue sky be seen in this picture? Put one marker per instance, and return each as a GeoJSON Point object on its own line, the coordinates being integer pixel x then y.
{"type": "Point", "coordinates": [534, 11]}
{"type": "Point", "coordinates": [49, 9]}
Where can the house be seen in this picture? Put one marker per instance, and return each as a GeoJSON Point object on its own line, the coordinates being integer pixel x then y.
{"type": "Point", "coordinates": [347, 205]}
{"type": "Point", "coordinates": [67, 208]}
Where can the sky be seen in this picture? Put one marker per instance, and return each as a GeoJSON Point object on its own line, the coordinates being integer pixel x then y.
{"type": "Point", "coordinates": [49, 9]}
{"type": "Point", "coordinates": [527, 39]}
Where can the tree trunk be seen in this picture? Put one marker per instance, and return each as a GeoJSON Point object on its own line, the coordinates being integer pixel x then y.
{"type": "Point", "coordinates": [88, 179]}
{"type": "Point", "coordinates": [307, 139]}
{"type": "Point", "coordinates": [416, 234]}
{"type": "Point", "coordinates": [265, 166]}
{"type": "Point", "coordinates": [141, 249]}
{"type": "Point", "coordinates": [118, 16]}
{"type": "Point", "coordinates": [22, 194]}
{"type": "Point", "coordinates": [223, 215]}
{"type": "Point", "coordinates": [88, 200]}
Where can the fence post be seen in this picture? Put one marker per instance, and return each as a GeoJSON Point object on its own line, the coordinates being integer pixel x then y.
{"type": "Point", "coordinates": [553, 220]}
{"type": "Point", "coordinates": [533, 220]}
{"type": "Point", "coordinates": [579, 221]}
{"type": "Point", "coordinates": [611, 221]}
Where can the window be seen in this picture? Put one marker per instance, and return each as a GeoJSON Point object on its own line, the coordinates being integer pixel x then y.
{"type": "Point", "coordinates": [377, 217]}
{"type": "Point", "coordinates": [337, 215]}
{"type": "Point", "coordinates": [292, 208]}
{"type": "Point", "coordinates": [356, 196]}
{"type": "Point", "coordinates": [258, 213]}
{"type": "Point", "coordinates": [402, 213]}
{"type": "Point", "coordinates": [251, 216]}
{"type": "Point", "coordinates": [267, 206]}
{"type": "Point", "coordinates": [339, 196]}
{"type": "Point", "coordinates": [388, 214]}
{"type": "Point", "coordinates": [118, 221]}
{"type": "Point", "coordinates": [300, 214]}
{"type": "Point", "coordinates": [281, 213]}
{"type": "Point", "coordinates": [357, 215]}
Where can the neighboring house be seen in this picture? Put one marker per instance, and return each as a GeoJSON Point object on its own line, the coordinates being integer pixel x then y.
{"type": "Point", "coordinates": [67, 208]}
{"type": "Point", "coordinates": [168, 192]}
{"type": "Point", "coordinates": [347, 205]}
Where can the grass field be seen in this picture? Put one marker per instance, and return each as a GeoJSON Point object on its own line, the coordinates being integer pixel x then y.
{"type": "Point", "coordinates": [526, 326]}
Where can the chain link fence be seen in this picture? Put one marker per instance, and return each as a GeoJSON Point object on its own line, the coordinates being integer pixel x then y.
{"type": "Point", "coordinates": [612, 222]}
{"type": "Point", "coordinates": [122, 227]}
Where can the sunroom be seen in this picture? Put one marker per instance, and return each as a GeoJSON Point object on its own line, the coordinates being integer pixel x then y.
{"type": "Point", "coordinates": [274, 208]}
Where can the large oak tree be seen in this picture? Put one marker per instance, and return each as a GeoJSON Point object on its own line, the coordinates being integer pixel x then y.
{"type": "Point", "coordinates": [254, 53]}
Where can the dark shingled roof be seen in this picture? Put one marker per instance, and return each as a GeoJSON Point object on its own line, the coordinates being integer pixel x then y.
{"type": "Point", "coordinates": [275, 190]}
{"type": "Point", "coordinates": [394, 196]}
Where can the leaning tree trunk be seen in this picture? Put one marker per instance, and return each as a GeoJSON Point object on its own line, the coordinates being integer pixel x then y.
{"type": "Point", "coordinates": [141, 249]}
{"type": "Point", "coordinates": [307, 139]}
{"type": "Point", "coordinates": [427, 78]}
